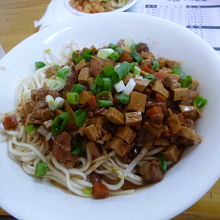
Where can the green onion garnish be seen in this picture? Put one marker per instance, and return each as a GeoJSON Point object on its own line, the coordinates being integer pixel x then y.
{"type": "Point", "coordinates": [62, 73]}
{"type": "Point", "coordinates": [200, 102]}
{"type": "Point", "coordinates": [185, 81]}
{"type": "Point", "coordinates": [114, 56]}
{"type": "Point", "coordinates": [136, 56]}
{"type": "Point", "coordinates": [41, 169]}
{"type": "Point", "coordinates": [120, 50]}
{"type": "Point", "coordinates": [87, 191]}
{"type": "Point", "coordinates": [177, 70]}
{"type": "Point", "coordinates": [80, 117]}
{"type": "Point", "coordinates": [134, 47]}
{"type": "Point", "coordinates": [107, 84]}
{"type": "Point", "coordinates": [77, 149]}
{"type": "Point", "coordinates": [124, 99]}
{"type": "Point", "coordinates": [78, 88]}
{"type": "Point", "coordinates": [112, 46]}
{"type": "Point", "coordinates": [29, 128]}
{"type": "Point", "coordinates": [104, 103]}
{"type": "Point", "coordinates": [149, 76]}
{"type": "Point", "coordinates": [72, 97]}
{"type": "Point", "coordinates": [86, 55]}
{"type": "Point", "coordinates": [163, 164]}
{"type": "Point", "coordinates": [39, 64]}
{"type": "Point", "coordinates": [59, 123]}
{"type": "Point", "coordinates": [108, 71]}
{"type": "Point", "coordinates": [155, 65]}
{"type": "Point", "coordinates": [97, 85]}
{"type": "Point", "coordinates": [123, 69]}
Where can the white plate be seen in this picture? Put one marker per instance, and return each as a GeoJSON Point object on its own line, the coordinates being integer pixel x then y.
{"type": "Point", "coordinates": [27, 198]}
{"type": "Point", "coordinates": [128, 5]}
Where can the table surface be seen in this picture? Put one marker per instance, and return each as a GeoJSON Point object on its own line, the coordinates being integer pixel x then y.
{"type": "Point", "coordinates": [16, 24]}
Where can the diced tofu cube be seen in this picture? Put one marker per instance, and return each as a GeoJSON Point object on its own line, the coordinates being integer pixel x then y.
{"type": "Point", "coordinates": [84, 97]}
{"type": "Point", "coordinates": [158, 87]}
{"type": "Point", "coordinates": [92, 132]}
{"type": "Point", "coordinates": [172, 63]}
{"type": "Point", "coordinates": [194, 85]}
{"type": "Point", "coordinates": [90, 81]}
{"type": "Point", "coordinates": [174, 123]}
{"type": "Point", "coordinates": [161, 142]}
{"type": "Point", "coordinates": [80, 65]}
{"type": "Point", "coordinates": [133, 118]}
{"type": "Point", "coordinates": [84, 75]}
{"type": "Point", "coordinates": [126, 133]}
{"type": "Point", "coordinates": [172, 153]}
{"type": "Point", "coordinates": [119, 146]}
{"type": "Point", "coordinates": [137, 102]}
{"type": "Point", "coordinates": [189, 134]}
{"type": "Point", "coordinates": [93, 149]}
{"type": "Point", "coordinates": [115, 116]}
{"type": "Point", "coordinates": [180, 94]}
{"type": "Point", "coordinates": [141, 84]}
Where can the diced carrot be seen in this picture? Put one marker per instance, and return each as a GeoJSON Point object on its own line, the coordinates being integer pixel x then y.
{"type": "Point", "coordinates": [160, 98]}
{"type": "Point", "coordinates": [10, 122]}
{"type": "Point", "coordinates": [147, 67]}
{"type": "Point", "coordinates": [99, 191]}
{"type": "Point", "coordinates": [159, 75]}
{"type": "Point", "coordinates": [92, 103]}
{"type": "Point", "coordinates": [126, 57]}
{"type": "Point", "coordinates": [154, 110]}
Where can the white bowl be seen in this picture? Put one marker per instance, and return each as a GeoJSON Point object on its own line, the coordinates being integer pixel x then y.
{"type": "Point", "coordinates": [26, 198]}
{"type": "Point", "coordinates": [128, 5]}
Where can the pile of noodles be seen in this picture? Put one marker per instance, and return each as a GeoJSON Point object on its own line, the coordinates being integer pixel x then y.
{"type": "Point", "coordinates": [29, 149]}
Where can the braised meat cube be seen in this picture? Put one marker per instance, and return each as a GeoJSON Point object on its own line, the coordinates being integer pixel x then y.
{"type": "Point", "coordinates": [174, 123]}
{"type": "Point", "coordinates": [126, 133]}
{"type": "Point", "coordinates": [119, 146]}
{"type": "Point", "coordinates": [158, 87]}
{"type": "Point", "coordinates": [189, 134]}
{"type": "Point", "coordinates": [115, 116]}
{"type": "Point", "coordinates": [141, 84]}
{"type": "Point", "coordinates": [84, 75]}
{"type": "Point", "coordinates": [137, 102]}
{"type": "Point", "coordinates": [93, 149]}
{"type": "Point", "coordinates": [10, 122]}
{"type": "Point", "coordinates": [133, 118]}
{"type": "Point", "coordinates": [172, 153]}
{"type": "Point", "coordinates": [150, 172]}
{"type": "Point", "coordinates": [180, 94]}
{"type": "Point", "coordinates": [190, 112]}
{"type": "Point", "coordinates": [80, 65]}
{"type": "Point", "coordinates": [91, 132]}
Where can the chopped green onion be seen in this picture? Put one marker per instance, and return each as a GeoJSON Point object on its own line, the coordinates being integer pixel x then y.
{"type": "Point", "coordinates": [124, 99]}
{"type": "Point", "coordinates": [155, 65]}
{"type": "Point", "coordinates": [72, 97]}
{"type": "Point", "coordinates": [113, 46]}
{"type": "Point", "coordinates": [137, 70]}
{"type": "Point", "coordinates": [123, 69]}
{"type": "Point", "coordinates": [128, 42]}
{"type": "Point", "coordinates": [107, 84]}
{"type": "Point", "coordinates": [120, 50]}
{"type": "Point", "coordinates": [86, 55]}
{"type": "Point", "coordinates": [97, 85]}
{"type": "Point", "coordinates": [55, 84]}
{"type": "Point", "coordinates": [105, 103]}
{"type": "Point", "coordinates": [41, 169]}
{"type": "Point", "coordinates": [80, 117]}
{"type": "Point", "coordinates": [78, 88]}
{"type": "Point", "coordinates": [177, 70]}
{"type": "Point", "coordinates": [77, 149]}
{"type": "Point", "coordinates": [59, 123]}
{"type": "Point", "coordinates": [136, 56]}
{"type": "Point", "coordinates": [163, 164]}
{"type": "Point", "coordinates": [149, 76]}
{"type": "Point", "coordinates": [51, 102]}
{"type": "Point", "coordinates": [62, 73]}
{"type": "Point", "coordinates": [134, 47]}
{"type": "Point", "coordinates": [74, 55]}
{"type": "Point", "coordinates": [104, 53]}
{"type": "Point", "coordinates": [186, 81]}
{"type": "Point", "coordinates": [39, 65]}
{"type": "Point", "coordinates": [104, 95]}
{"type": "Point", "coordinates": [87, 191]}
{"type": "Point", "coordinates": [29, 128]}
{"type": "Point", "coordinates": [200, 102]}
{"type": "Point", "coordinates": [108, 71]}
{"type": "Point", "coordinates": [114, 56]}
{"type": "Point", "coordinates": [132, 65]}
{"type": "Point", "coordinates": [115, 78]}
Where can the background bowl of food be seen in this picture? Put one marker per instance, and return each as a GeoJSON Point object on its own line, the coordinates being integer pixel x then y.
{"type": "Point", "coordinates": [181, 186]}
{"type": "Point", "coordinates": [83, 7]}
